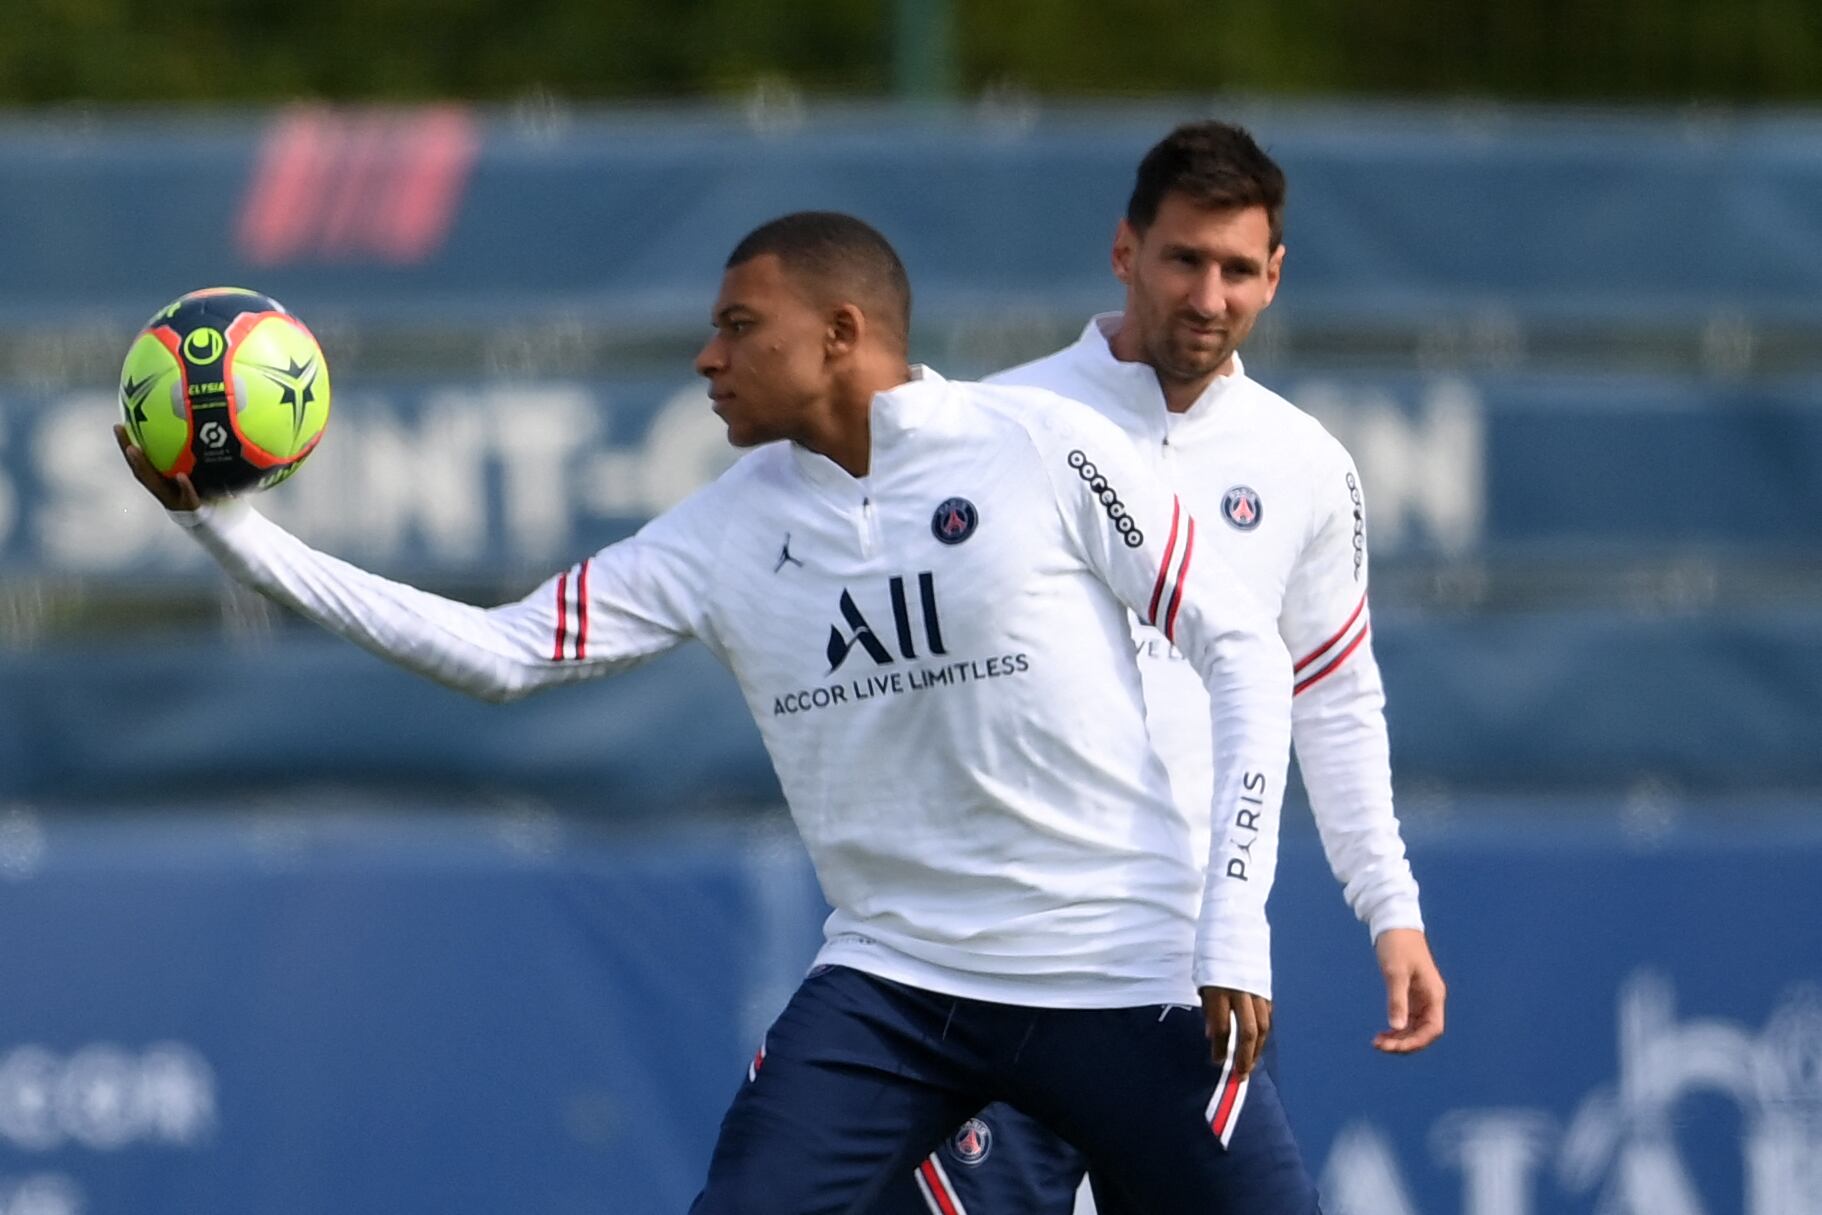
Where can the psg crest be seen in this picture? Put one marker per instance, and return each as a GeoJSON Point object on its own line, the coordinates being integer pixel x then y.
{"type": "Point", "coordinates": [1240, 507]}
{"type": "Point", "coordinates": [954, 521]}
{"type": "Point", "coordinates": [971, 1144]}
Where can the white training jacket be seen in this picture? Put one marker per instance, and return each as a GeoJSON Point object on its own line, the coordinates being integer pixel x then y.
{"type": "Point", "coordinates": [1278, 497]}
{"type": "Point", "coordinates": [939, 660]}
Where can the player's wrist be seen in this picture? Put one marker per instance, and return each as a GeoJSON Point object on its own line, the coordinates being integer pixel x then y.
{"type": "Point", "coordinates": [216, 514]}
{"type": "Point", "coordinates": [1392, 914]}
{"type": "Point", "coordinates": [1233, 975]}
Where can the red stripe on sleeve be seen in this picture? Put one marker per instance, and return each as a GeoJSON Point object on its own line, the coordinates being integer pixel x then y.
{"type": "Point", "coordinates": [582, 613]}
{"type": "Point", "coordinates": [1340, 658]}
{"type": "Point", "coordinates": [1176, 598]}
{"type": "Point", "coordinates": [1170, 549]}
{"type": "Point", "coordinates": [1316, 653]}
{"type": "Point", "coordinates": [556, 655]}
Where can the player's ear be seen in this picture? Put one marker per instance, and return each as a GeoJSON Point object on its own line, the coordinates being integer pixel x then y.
{"type": "Point", "coordinates": [847, 326]}
{"type": "Point", "coordinates": [1274, 270]}
{"type": "Point", "coordinates": [1125, 250]}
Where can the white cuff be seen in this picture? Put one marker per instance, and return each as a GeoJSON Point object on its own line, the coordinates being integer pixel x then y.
{"type": "Point", "coordinates": [216, 515]}
{"type": "Point", "coordinates": [1399, 911]}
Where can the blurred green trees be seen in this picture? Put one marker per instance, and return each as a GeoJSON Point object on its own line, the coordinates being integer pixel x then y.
{"type": "Point", "coordinates": [235, 50]}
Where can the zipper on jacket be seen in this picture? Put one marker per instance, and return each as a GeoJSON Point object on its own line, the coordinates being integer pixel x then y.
{"type": "Point", "coordinates": [868, 527]}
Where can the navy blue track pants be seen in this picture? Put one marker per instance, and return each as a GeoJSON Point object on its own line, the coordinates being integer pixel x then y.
{"type": "Point", "coordinates": [861, 1078]}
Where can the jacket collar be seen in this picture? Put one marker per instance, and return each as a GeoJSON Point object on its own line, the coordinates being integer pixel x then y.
{"type": "Point", "coordinates": [894, 413]}
{"type": "Point", "coordinates": [1134, 386]}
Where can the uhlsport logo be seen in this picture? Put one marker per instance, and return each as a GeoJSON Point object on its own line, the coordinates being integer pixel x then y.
{"type": "Point", "coordinates": [972, 1142]}
{"type": "Point", "coordinates": [1240, 506]}
{"type": "Point", "coordinates": [204, 346]}
{"type": "Point", "coordinates": [954, 521]}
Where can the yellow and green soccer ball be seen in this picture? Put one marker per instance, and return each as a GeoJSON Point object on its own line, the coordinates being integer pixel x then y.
{"type": "Point", "coordinates": [228, 387]}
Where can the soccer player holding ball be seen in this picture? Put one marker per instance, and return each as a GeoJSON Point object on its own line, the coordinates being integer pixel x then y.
{"type": "Point", "coordinates": [943, 676]}
{"type": "Point", "coordinates": [1200, 253]}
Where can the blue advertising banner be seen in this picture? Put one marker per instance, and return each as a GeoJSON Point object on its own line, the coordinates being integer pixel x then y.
{"type": "Point", "coordinates": [511, 216]}
{"type": "Point", "coordinates": [1636, 1023]}
{"type": "Point", "coordinates": [495, 479]}
{"type": "Point", "coordinates": [1561, 700]}
{"type": "Point", "coordinates": [274, 1015]}
{"type": "Point", "coordinates": [311, 1011]}
{"type": "Point", "coordinates": [514, 478]}
{"type": "Point", "coordinates": [496, 486]}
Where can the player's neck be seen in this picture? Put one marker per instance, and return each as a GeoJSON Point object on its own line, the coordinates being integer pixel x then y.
{"type": "Point", "coordinates": [843, 431]}
{"type": "Point", "coordinates": [1181, 395]}
{"type": "Point", "coordinates": [849, 444]}
{"type": "Point", "coordinates": [1126, 346]}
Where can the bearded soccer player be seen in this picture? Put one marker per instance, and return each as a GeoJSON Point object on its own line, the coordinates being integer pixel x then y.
{"type": "Point", "coordinates": [944, 678]}
{"type": "Point", "coordinates": [1200, 252]}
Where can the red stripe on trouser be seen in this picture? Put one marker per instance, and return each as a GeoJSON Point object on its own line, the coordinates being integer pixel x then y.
{"type": "Point", "coordinates": [1316, 653]}
{"type": "Point", "coordinates": [562, 615]}
{"type": "Point", "coordinates": [939, 1188]}
{"type": "Point", "coordinates": [1218, 1124]}
{"type": "Point", "coordinates": [1170, 549]}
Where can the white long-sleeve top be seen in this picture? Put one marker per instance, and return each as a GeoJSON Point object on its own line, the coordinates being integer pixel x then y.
{"type": "Point", "coordinates": [939, 660]}
{"type": "Point", "coordinates": [1279, 498]}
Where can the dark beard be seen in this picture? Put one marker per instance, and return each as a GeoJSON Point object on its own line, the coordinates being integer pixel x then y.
{"type": "Point", "coordinates": [1175, 364]}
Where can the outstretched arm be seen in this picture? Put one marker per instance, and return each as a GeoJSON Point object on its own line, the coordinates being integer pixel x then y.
{"type": "Point", "coordinates": [630, 601]}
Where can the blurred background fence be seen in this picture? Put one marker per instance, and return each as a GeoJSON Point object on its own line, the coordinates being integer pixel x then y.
{"type": "Point", "coordinates": [283, 930]}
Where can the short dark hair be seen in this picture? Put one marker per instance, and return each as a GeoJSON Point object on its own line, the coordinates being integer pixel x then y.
{"type": "Point", "coordinates": [1216, 165]}
{"type": "Point", "coordinates": [841, 254]}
